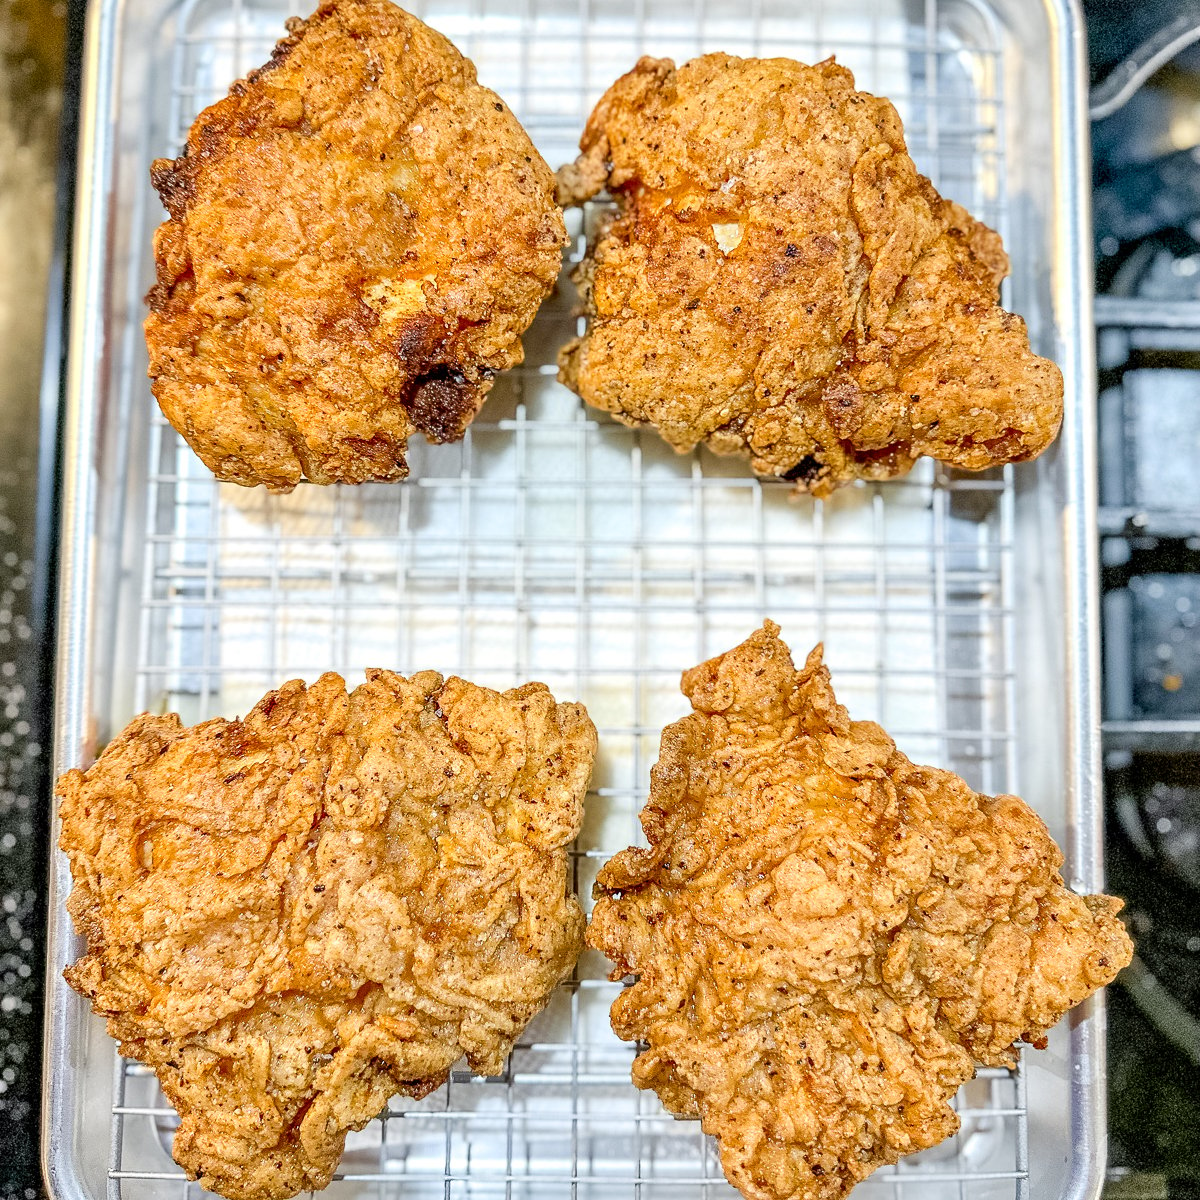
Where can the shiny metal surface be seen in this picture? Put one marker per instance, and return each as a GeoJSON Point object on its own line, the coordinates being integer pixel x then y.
{"type": "Point", "coordinates": [65, 1081]}
{"type": "Point", "coordinates": [1072, 241]}
{"type": "Point", "coordinates": [957, 609]}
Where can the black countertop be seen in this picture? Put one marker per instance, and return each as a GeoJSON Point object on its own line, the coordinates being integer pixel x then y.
{"type": "Point", "coordinates": [1155, 1094]}
{"type": "Point", "coordinates": [37, 40]}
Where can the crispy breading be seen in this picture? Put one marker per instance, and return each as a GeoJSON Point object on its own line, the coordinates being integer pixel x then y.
{"type": "Point", "coordinates": [359, 235]}
{"type": "Point", "coordinates": [293, 917]}
{"type": "Point", "coordinates": [828, 938]}
{"type": "Point", "coordinates": [779, 281]}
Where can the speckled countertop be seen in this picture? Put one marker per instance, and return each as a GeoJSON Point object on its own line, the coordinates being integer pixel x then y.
{"type": "Point", "coordinates": [31, 72]}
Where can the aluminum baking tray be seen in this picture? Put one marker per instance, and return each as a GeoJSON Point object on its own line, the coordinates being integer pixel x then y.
{"type": "Point", "coordinates": [555, 544]}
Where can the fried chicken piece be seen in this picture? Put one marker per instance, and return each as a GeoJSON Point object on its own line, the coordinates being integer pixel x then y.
{"type": "Point", "coordinates": [779, 281]}
{"type": "Point", "coordinates": [359, 235]}
{"type": "Point", "coordinates": [293, 917]}
{"type": "Point", "coordinates": [828, 938]}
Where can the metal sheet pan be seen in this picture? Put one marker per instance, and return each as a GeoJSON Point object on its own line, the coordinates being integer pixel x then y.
{"type": "Point", "coordinates": [554, 544]}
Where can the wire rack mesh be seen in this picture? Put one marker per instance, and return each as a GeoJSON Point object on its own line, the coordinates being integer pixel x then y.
{"type": "Point", "coordinates": [552, 543]}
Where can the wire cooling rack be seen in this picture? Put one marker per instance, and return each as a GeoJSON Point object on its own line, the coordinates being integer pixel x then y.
{"type": "Point", "coordinates": [554, 544]}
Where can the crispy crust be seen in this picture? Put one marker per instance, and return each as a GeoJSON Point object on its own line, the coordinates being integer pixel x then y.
{"type": "Point", "coordinates": [293, 917]}
{"type": "Point", "coordinates": [780, 282]}
{"type": "Point", "coordinates": [826, 937]}
{"type": "Point", "coordinates": [358, 236]}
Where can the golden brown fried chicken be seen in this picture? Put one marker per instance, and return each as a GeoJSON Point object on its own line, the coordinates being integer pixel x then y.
{"type": "Point", "coordinates": [779, 281]}
{"type": "Point", "coordinates": [293, 917]}
{"type": "Point", "coordinates": [359, 234]}
{"type": "Point", "coordinates": [827, 937]}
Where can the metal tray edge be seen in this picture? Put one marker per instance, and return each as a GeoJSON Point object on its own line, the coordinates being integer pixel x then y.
{"type": "Point", "coordinates": [1073, 290]}
{"type": "Point", "coordinates": [78, 500]}
{"type": "Point", "coordinates": [1074, 286]}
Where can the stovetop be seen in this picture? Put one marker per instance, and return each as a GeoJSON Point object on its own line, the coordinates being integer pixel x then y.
{"type": "Point", "coordinates": [1147, 222]}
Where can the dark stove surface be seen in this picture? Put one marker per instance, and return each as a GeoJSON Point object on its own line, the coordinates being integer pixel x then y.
{"type": "Point", "coordinates": [1147, 220]}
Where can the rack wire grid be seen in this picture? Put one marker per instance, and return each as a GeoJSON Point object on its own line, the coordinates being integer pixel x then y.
{"type": "Point", "coordinates": [555, 544]}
